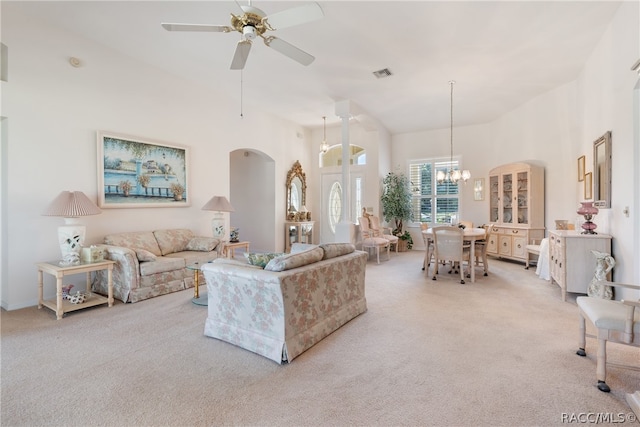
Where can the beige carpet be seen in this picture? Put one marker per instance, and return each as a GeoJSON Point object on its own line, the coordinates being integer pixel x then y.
{"type": "Point", "coordinates": [497, 352]}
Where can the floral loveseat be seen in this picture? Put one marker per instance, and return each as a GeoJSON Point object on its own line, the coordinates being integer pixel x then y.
{"type": "Point", "coordinates": [152, 263]}
{"type": "Point", "coordinates": [290, 305]}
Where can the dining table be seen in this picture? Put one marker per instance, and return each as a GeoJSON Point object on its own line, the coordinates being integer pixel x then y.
{"type": "Point", "coordinates": [470, 235]}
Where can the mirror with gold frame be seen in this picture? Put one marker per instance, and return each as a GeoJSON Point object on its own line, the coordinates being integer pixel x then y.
{"type": "Point", "coordinates": [602, 171]}
{"type": "Point", "coordinates": [296, 191]}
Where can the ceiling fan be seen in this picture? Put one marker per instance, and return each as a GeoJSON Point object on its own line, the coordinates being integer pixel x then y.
{"type": "Point", "coordinates": [254, 22]}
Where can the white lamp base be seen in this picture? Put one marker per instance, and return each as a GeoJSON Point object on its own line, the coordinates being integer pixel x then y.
{"type": "Point", "coordinates": [71, 239]}
{"type": "Point", "coordinates": [218, 226]}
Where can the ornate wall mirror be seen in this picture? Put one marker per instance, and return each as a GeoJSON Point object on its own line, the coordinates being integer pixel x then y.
{"type": "Point", "coordinates": [296, 189]}
{"type": "Point", "coordinates": [602, 171]}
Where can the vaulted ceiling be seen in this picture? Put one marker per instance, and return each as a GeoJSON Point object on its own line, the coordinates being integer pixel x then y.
{"type": "Point", "coordinates": [501, 54]}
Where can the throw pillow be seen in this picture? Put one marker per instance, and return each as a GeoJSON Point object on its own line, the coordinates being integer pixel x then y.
{"type": "Point", "coordinates": [332, 250]}
{"type": "Point", "coordinates": [261, 259]}
{"type": "Point", "coordinates": [145, 255]}
{"type": "Point", "coordinates": [287, 262]}
{"type": "Point", "coordinates": [202, 244]}
{"type": "Point", "coordinates": [235, 263]}
{"type": "Point", "coordinates": [300, 247]}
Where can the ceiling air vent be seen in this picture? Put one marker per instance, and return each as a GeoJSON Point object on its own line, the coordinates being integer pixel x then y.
{"type": "Point", "coordinates": [385, 72]}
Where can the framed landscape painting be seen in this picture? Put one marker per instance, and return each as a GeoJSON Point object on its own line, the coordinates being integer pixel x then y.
{"type": "Point", "coordinates": [136, 173]}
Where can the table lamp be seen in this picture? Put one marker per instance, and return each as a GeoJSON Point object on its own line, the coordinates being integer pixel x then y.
{"type": "Point", "coordinates": [219, 204]}
{"type": "Point", "coordinates": [71, 205]}
{"type": "Point", "coordinates": [588, 211]}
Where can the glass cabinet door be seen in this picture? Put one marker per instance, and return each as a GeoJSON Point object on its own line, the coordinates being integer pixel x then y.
{"type": "Point", "coordinates": [523, 198]}
{"type": "Point", "coordinates": [507, 198]}
{"type": "Point", "coordinates": [306, 233]}
{"type": "Point", "coordinates": [293, 234]}
{"type": "Point", "coordinates": [494, 198]}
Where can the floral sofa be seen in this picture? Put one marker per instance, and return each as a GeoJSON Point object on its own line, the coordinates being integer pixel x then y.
{"type": "Point", "coordinates": [153, 263]}
{"type": "Point", "coordinates": [288, 306]}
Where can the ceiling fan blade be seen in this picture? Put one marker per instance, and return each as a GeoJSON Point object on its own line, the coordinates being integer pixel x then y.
{"type": "Point", "coordinates": [294, 16]}
{"type": "Point", "coordinates": [289, 50]}
{"type": "Point", "coordinates": [242, 53]}
{"type": "Point", "coordinates": [197, 27]}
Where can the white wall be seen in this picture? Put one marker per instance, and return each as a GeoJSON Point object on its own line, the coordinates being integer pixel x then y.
{"type": "Point", "coordinates": [605, 102]}
{"type": "Point", "coordinates": [54, 111]}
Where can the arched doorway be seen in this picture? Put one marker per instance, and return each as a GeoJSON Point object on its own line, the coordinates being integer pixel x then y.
{"type": "Point", "coordinates": [252, 195]}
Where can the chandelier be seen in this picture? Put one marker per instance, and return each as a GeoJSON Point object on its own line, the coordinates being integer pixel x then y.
{"type": "Point", "coordinates": [324, 147]}
{"type": "Point", "coordinates": [452, 176]}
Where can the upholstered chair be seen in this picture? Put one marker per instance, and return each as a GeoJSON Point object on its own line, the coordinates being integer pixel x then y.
{"type": "Point", "coordinates": [370, 240]}
{"type": "Point", "coordinates": [374, 223]}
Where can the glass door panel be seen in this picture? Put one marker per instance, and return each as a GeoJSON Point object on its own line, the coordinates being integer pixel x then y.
{"type": "Point", "coordinates": [507, 198]}
{"type": "Point", "coordinates": [494, 198]}
{"type": "Point", "coordinates": [523, 198]}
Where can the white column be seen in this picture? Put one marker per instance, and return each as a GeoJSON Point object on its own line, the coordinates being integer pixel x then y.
{"type": "Point", "coordinates": [345, 229]}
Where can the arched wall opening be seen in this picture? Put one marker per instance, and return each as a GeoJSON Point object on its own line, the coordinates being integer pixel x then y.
{"type": "Point", "coordinates": [252, 195]}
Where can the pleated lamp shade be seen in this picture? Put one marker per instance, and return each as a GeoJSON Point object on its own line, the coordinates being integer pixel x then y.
{"type": "Point", "coordinates": [71, 205]}
{"type": "Point", "coordinates": [219, 204]}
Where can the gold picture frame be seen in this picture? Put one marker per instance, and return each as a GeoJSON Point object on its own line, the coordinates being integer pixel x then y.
{"type": "Point", "coordinates": [588, 186]}
{"type": "Point", "coordinates": [478, 189]}
{"type": "Point", "coordinates": [139, 173]}
{"type": "Point", "coordinates": [581, 168]}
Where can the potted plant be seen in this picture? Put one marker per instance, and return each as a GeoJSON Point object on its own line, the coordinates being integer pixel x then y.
{"type": "Point", "coordinates": [125, 186]}
{"type": "Point", "coordinates": [144, 181]}
{"type": "Point", "coordinates": [396, 206]}
{"type": "Point", "coordinates": [406, 239]}
{"type": "Point", "coordinates": [177, 189]}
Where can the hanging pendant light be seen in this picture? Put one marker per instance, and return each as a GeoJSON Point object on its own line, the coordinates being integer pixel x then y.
{"type": "Point", "coordinates": [324, 147]}
{"type": "Point", "coordinates": [452, 176]}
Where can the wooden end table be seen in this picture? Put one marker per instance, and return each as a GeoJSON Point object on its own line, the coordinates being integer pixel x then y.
{"type": "Point", "coordinates": [230, 248]}
{"type": "Point", "coordinates": [61, 306]}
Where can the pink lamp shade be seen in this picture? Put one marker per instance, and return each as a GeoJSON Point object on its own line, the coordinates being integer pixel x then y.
{"type": "Point", "coordinates": [71, 205]}
{"type": "Point", "coordinates": [588, 211]}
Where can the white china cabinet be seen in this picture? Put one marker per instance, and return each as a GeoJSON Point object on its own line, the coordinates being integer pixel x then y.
{"type": "Point", "coordinates": [516, 209]}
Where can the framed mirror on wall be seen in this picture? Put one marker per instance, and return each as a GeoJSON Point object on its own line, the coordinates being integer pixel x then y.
{"type": "Point", "coordinates": [296, 193]}
{"type": "Point", "coordinates": [602, 171]}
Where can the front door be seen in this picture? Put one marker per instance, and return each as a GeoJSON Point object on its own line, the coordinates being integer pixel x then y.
{"type": "Point", "coordinates": [332, 203]}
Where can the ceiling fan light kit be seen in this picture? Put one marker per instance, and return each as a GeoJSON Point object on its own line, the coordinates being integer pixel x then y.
{"type": "Point", "coordinates": [253, 23]}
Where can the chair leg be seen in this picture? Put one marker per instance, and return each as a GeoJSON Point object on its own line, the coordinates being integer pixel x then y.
{"type": "Point", "coordinates": [582, 337]}
{"type": "Point", "coordinates": [485, 264]}
{"type": "Point", "coordinates": [601, 366]}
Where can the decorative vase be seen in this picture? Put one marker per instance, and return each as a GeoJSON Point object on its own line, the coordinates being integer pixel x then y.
{"type": "Point", "coordinates": [588, 211]}
{"type": "Point", "coordinates": [604, 264]}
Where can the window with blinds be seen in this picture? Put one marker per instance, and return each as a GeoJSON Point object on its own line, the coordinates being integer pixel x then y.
{"type": "Point", "coordinates": [432, 202]}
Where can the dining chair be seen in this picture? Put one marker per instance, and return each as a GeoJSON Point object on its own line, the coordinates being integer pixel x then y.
{"type": "Point", "coordinates": [449, 246]}
{"type": "Point", "coordinates": [615, 321]}
{"type": "Point", "coordinates": [480, 249]}
{"type": "Point", "coordinates": [428, 246]}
